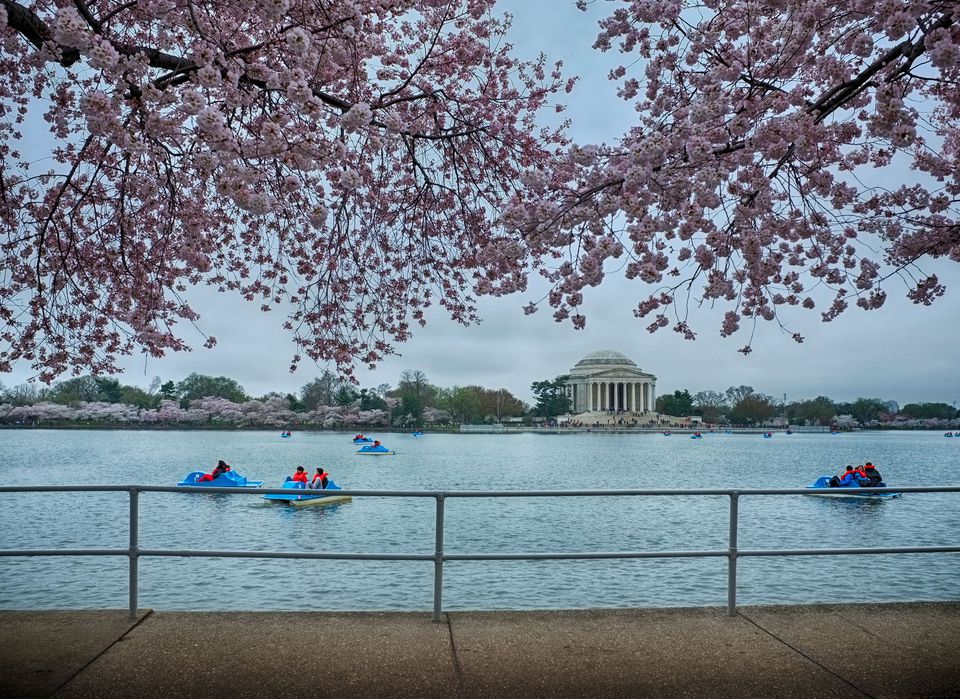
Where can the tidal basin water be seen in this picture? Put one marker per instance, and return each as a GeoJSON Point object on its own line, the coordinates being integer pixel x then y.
{"type": "Point", "coordinates": [475, 462]}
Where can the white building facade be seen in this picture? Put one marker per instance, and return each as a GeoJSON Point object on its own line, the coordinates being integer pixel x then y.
{"type": "Point", "coordinates": [606, 380]}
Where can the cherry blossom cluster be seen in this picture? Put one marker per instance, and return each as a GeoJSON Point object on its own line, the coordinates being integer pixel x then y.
{"type": "Point", "coordinates": [746, 183]}
{"type": "Point", "coordinates": [272, 412]}
{"type": "Point", "coordinates": [339, 162]}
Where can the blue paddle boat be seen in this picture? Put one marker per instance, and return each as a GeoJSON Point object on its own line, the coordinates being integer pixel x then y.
{"type": "Point", "coordinates": [362, 440]}
{"type": "Point", "coordinates": [230, 479]}
{"type": "Point", "coordinates": [302, 496]}
{"type": "Point", "coordinates": [375, 449]}
{"type": "Point", "coordinates": [823, 488]}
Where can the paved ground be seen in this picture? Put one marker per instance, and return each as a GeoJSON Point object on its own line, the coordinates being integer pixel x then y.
{"type": "Point", "coordinates": [889, 650]}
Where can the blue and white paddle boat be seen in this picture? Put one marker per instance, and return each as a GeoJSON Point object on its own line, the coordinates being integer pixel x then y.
{"type": "Point", "coordinates": [360, 439]}
{"type": "Point", "coordinates": [302, 496]}
{"type": "Point", "coordinates": [229, 479]}
{"type": "Point", "coordinates": [375, 450]}
{"type": "Point", "coordinates": [823, 488]}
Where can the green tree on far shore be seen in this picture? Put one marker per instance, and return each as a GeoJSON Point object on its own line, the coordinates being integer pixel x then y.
{"type": "Point", "coordinates": [677, 404]}
{"type": "Point", "coordinates": [551, 397]}
{"type": "Point", "coordinates": [929, 411]}
{"type": "Point", "coordinates": [753, 409]}
{"type": "Point", "coordinates": [197, 386]}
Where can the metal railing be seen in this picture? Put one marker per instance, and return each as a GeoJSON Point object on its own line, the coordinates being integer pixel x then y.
{"type": "Point", "coordinates": [440, 556]}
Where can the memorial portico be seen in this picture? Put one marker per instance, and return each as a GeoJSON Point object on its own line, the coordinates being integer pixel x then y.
{"type": "Point", "coordinates": [606, 380]}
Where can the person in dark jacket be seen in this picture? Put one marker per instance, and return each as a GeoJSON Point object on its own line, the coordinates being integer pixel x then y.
{"type": "Point", "coordinates": [874, 479]}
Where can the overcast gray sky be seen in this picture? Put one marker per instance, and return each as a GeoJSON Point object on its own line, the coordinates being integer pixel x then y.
{"type": "Point", "coordinates": [902, 352]}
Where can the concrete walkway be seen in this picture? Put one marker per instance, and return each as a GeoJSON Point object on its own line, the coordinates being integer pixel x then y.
{"type": "Point", "coordinates": [888, 650]}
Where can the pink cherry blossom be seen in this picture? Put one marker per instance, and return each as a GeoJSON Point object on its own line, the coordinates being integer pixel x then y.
{"type": "Point", "coordinates": [745, 181]}
{"type": "Point", "coordinates": [354, 163]}
{"type": "Point", "coordinates": [343, 162]}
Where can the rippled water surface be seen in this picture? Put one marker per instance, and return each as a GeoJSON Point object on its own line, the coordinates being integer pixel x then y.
{"type": "Point", "coordinates": [475, 462]}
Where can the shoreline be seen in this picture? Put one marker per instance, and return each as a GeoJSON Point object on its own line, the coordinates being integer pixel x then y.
{"type": "Point", "coordinates": [474, 429]}
{"type": "Point", "coordinates": [478, 429]}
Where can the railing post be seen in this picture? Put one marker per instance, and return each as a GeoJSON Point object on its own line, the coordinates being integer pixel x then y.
{"type": "Point", "coordinates": [732, 557]}
{"type": "Point", "coordinates": [134, 550]}
{"type": "Point", "coordinates": [438, 562]}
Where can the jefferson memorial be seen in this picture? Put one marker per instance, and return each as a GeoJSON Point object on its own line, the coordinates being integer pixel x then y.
{"type": "Point", "coordinates": [607, 380]}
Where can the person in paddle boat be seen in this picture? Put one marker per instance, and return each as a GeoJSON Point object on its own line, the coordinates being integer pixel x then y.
{"type": "Point", "coordinates": [872, 476]}
{"type": "Point", "coordinates": [221, 467]}
{"type": "Point", "coordinates": [300, 475]}
{"type": "Point", "coordinates": [376, 444]}
{"type": "Point", "coordinates": [320, 479]}
{"type": "Point", "coordinates": [843, 478]}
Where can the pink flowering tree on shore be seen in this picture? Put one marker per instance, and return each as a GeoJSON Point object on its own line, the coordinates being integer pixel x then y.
{"type": "Point", "coordinates": [790, 153]}
{"type": "Point", "coordinates": [342, 161]}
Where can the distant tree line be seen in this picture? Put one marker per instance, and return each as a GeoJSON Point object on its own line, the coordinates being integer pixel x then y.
{"type": "Point", "coordinates": [326, 401]}
{"type": "Point", "coordinates": [744, 406]}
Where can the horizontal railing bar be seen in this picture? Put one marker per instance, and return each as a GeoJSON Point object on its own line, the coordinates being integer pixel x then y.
{"type": "Point", "coordinates": [173, 553]}
{"type": "Point", "coordinates": [214, 490]}
{"type": "Point", "coordinates": [573, 555]}
{"type": "Point", "coordinates": [845, 552]}
{"type": "Point", "coordinates": [65, 552]}
{"type": "Point", "coordinates": [580, 555]}
{"type": "Point", "coordinates": [290, 554]}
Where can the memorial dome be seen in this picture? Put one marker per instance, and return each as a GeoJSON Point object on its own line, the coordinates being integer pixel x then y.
{"type": "Point", "coordinates": [604, 358]}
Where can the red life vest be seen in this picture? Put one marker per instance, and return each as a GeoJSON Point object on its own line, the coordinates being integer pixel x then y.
{"type": "Point", "coordinates": [300, 476]}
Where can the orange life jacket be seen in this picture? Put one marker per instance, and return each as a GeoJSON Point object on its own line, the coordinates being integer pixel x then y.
{"type": "Point", "coordinates": [300, 476]}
